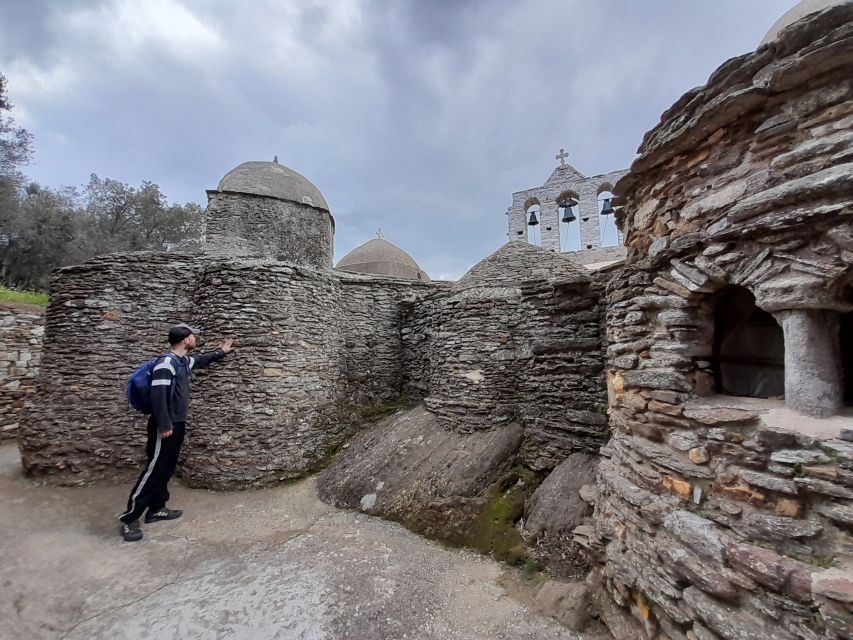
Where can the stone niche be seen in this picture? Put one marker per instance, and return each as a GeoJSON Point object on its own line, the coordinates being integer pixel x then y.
{"type": "Point", "coordinates": [726, 503]}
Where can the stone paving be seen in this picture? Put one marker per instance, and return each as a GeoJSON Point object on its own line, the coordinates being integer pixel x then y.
{"type": "Point", "coordinates": [273, 563]}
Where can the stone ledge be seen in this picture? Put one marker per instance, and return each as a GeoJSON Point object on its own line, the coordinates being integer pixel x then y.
{"type": "Point", "coordinates": [774, 414]}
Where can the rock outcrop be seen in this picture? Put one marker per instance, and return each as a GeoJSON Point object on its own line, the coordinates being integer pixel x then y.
{"type": "Point", "coordinates": [451, 486]}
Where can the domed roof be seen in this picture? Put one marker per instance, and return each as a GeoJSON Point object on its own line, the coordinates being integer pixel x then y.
{"type": "Point", "coordinates": [273, 180]}
{"type": "Point", "coordinates": [517, 262]}
{"type": "Point", "coordinates": [380, 257]}
{"type": "Point", "coordinates": [800, 11]}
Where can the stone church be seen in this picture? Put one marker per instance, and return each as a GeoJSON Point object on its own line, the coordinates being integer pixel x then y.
{"type": "Point", "coordinates": [673, 440]}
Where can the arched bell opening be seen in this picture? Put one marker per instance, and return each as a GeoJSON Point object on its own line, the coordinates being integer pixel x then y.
{"type": "Point", "coordinates": [609, 233]}
{"type": "Point", "coordinates": [749, 347]}
{"type": "Point", "coordinates": [568, 210]}
{"type": "Point", "coordinates": [532, 220]}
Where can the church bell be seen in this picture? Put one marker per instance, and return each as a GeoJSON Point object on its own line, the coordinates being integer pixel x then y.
{"type": "Point", "coordinates": [568, 214]}
{"type": "Point", "coordinates": [607, 208]}
{"type": "Point", "coordinates": [533, 221]}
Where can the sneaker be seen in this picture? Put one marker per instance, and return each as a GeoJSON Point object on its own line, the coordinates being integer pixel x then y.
{"type": "Point", "coordinates": [163, 514]}
{"type": "Point", "coordinates": [130, 531]}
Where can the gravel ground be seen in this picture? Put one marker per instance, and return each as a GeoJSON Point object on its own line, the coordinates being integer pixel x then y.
{"type": "Point", "coordinates": [275, 563]}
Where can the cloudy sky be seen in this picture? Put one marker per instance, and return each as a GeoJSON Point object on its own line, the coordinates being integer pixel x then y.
{"type": "Point", "coordinates": [417, 116]}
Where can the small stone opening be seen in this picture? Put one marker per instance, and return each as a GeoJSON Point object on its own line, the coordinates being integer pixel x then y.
{"type": "Point", "coordinates": [749, 348]}
{"type": "Point", "coordinates": [847, 356]}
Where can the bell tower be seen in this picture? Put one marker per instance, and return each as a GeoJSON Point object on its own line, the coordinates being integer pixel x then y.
{"type": "Point", "coordinates": [568, 213]}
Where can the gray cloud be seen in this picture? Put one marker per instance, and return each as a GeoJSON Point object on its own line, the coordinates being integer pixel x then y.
{"type": "Point", "coordinates": [419, 117]}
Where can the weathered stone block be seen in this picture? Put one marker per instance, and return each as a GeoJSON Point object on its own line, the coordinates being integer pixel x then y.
{"type": "Point", "coordinates": [698, 533]}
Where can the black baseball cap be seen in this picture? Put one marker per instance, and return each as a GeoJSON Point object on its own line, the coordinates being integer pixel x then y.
{"type": "Point", "coordinates": [181, 331]}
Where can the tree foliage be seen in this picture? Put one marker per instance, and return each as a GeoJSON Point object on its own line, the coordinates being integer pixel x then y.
{"type": "Point", "coordinates": [43, 228]}
{"type": "Point", "coordinates": [15, 142]}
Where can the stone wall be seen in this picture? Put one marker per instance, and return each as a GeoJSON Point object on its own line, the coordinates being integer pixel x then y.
{"type": "Point", "coordinates": [246, 225]}
{"type": "Point", "coordinates": [724, 517]}
{"type": "Point", "coordinates": [21, 332]}
{"type": "Point", "coordinates": [418, 333]}
{"type": "Point", "coordinates": [315, 349]}
{"type": "Point", "coordinates": [106, 317]}
{"type": "Point", "coordinates": [597, 256]}
{"type": "Point", "coordinates": [372, 311]}
{"type": "Point", "coordinates": [518, 339]}
{"type": "Point", "coordinates": [274, 411]}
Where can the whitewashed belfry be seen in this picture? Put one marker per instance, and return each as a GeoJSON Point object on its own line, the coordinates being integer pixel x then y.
{"type": "Point", "coordinates": [568, 214]}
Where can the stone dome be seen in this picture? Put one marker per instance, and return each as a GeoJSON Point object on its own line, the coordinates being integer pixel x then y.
{"type": "Point", "coordinates": [380, 257]}
{"type": "Point", "coordinates": [517, 262]}
{"type": "Point", "coordinates": [800, 11]}
{"type": "Point", "coordinates": [272, 180]}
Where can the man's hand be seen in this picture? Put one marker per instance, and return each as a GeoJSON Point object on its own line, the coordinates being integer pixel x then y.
{"type": "Point", "coordinates": [166, 434]}
{"type": "Point", "coordinates": [228, 345]}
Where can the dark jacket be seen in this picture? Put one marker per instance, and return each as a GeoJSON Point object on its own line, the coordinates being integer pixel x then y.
{"type": "Point", "coordinates": [170, 386]}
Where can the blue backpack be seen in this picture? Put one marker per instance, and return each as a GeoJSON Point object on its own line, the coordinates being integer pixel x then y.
{"type": "Point", "coordinates": [139, 387]}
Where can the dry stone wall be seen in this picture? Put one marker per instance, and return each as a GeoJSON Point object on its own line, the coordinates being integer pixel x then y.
{"type": "Point", "coordinates": [518, 339]}
{"type": "Point", "coordinates": [315, 350]}
{"type": "Point", "coordinates": [274, 410]}
{"type": "Point", "coordinates": [105, 318]}
{"type": "Point", "coordinates": [716, 516]}
{"type": "Point", "coordinates": [418, 333]}
{"type": "Point", "coordinates": [21, 333]}
{"type": "Point", "coordinates": [372, 310]}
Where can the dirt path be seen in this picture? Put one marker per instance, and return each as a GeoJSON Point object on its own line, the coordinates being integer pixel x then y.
{"type": "Point", "coordinates": [276, 563]}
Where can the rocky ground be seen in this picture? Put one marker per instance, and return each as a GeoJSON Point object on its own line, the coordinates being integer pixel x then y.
{"type": "Point", "coordinates": [275, 563]}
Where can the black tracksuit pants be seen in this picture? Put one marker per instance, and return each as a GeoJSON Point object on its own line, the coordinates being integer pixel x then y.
{"type": "Point", "coordinates": [151, 489]}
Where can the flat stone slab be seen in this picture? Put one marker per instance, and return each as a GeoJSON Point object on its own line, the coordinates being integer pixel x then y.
{"type": "Point", "coordinates": [274, 563]}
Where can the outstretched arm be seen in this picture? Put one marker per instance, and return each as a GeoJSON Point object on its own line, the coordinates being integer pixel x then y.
{"type": "Point", "coordinates": [206, 359]}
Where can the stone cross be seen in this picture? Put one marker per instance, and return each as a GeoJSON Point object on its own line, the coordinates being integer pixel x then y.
{"type": "Point", "coordinates": [379, 233]}
{"type": "Point", "coordinates": [561, 157]}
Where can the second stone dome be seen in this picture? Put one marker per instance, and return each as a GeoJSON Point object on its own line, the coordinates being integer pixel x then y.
{"type": "Point", "coordinates": [380, 257]}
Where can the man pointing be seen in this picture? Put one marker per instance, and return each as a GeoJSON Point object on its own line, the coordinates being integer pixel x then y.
{"type": "Point", "coordinates": [170, 396]}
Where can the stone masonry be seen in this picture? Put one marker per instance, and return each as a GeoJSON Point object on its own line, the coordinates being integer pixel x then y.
{"type": "Point", "coordinates": [21, 333]}
{"type": "Point", "coordinates": [723, 494]}
{"type": "Point", "coordinates": [720, 516]}
{"type": "Point", "coordinates": [315, 347]}
{"type": "Point", "coordinates": [518, 340]}
{"type": "Point", "coordinates": [105, 318]}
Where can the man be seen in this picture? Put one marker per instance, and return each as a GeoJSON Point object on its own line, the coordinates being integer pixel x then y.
{"type": "Point", "coordinates": [170, 396]}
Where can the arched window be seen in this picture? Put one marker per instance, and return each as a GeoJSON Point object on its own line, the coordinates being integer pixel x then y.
{"type": "Point", "coordinates": [749, 347]}
{"type": "Point", "coordinates": [533, 220]}
{"type": "Point", "coordinates": [609, 233]}
{"type": "Point", "coordinates": [569, 219]}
